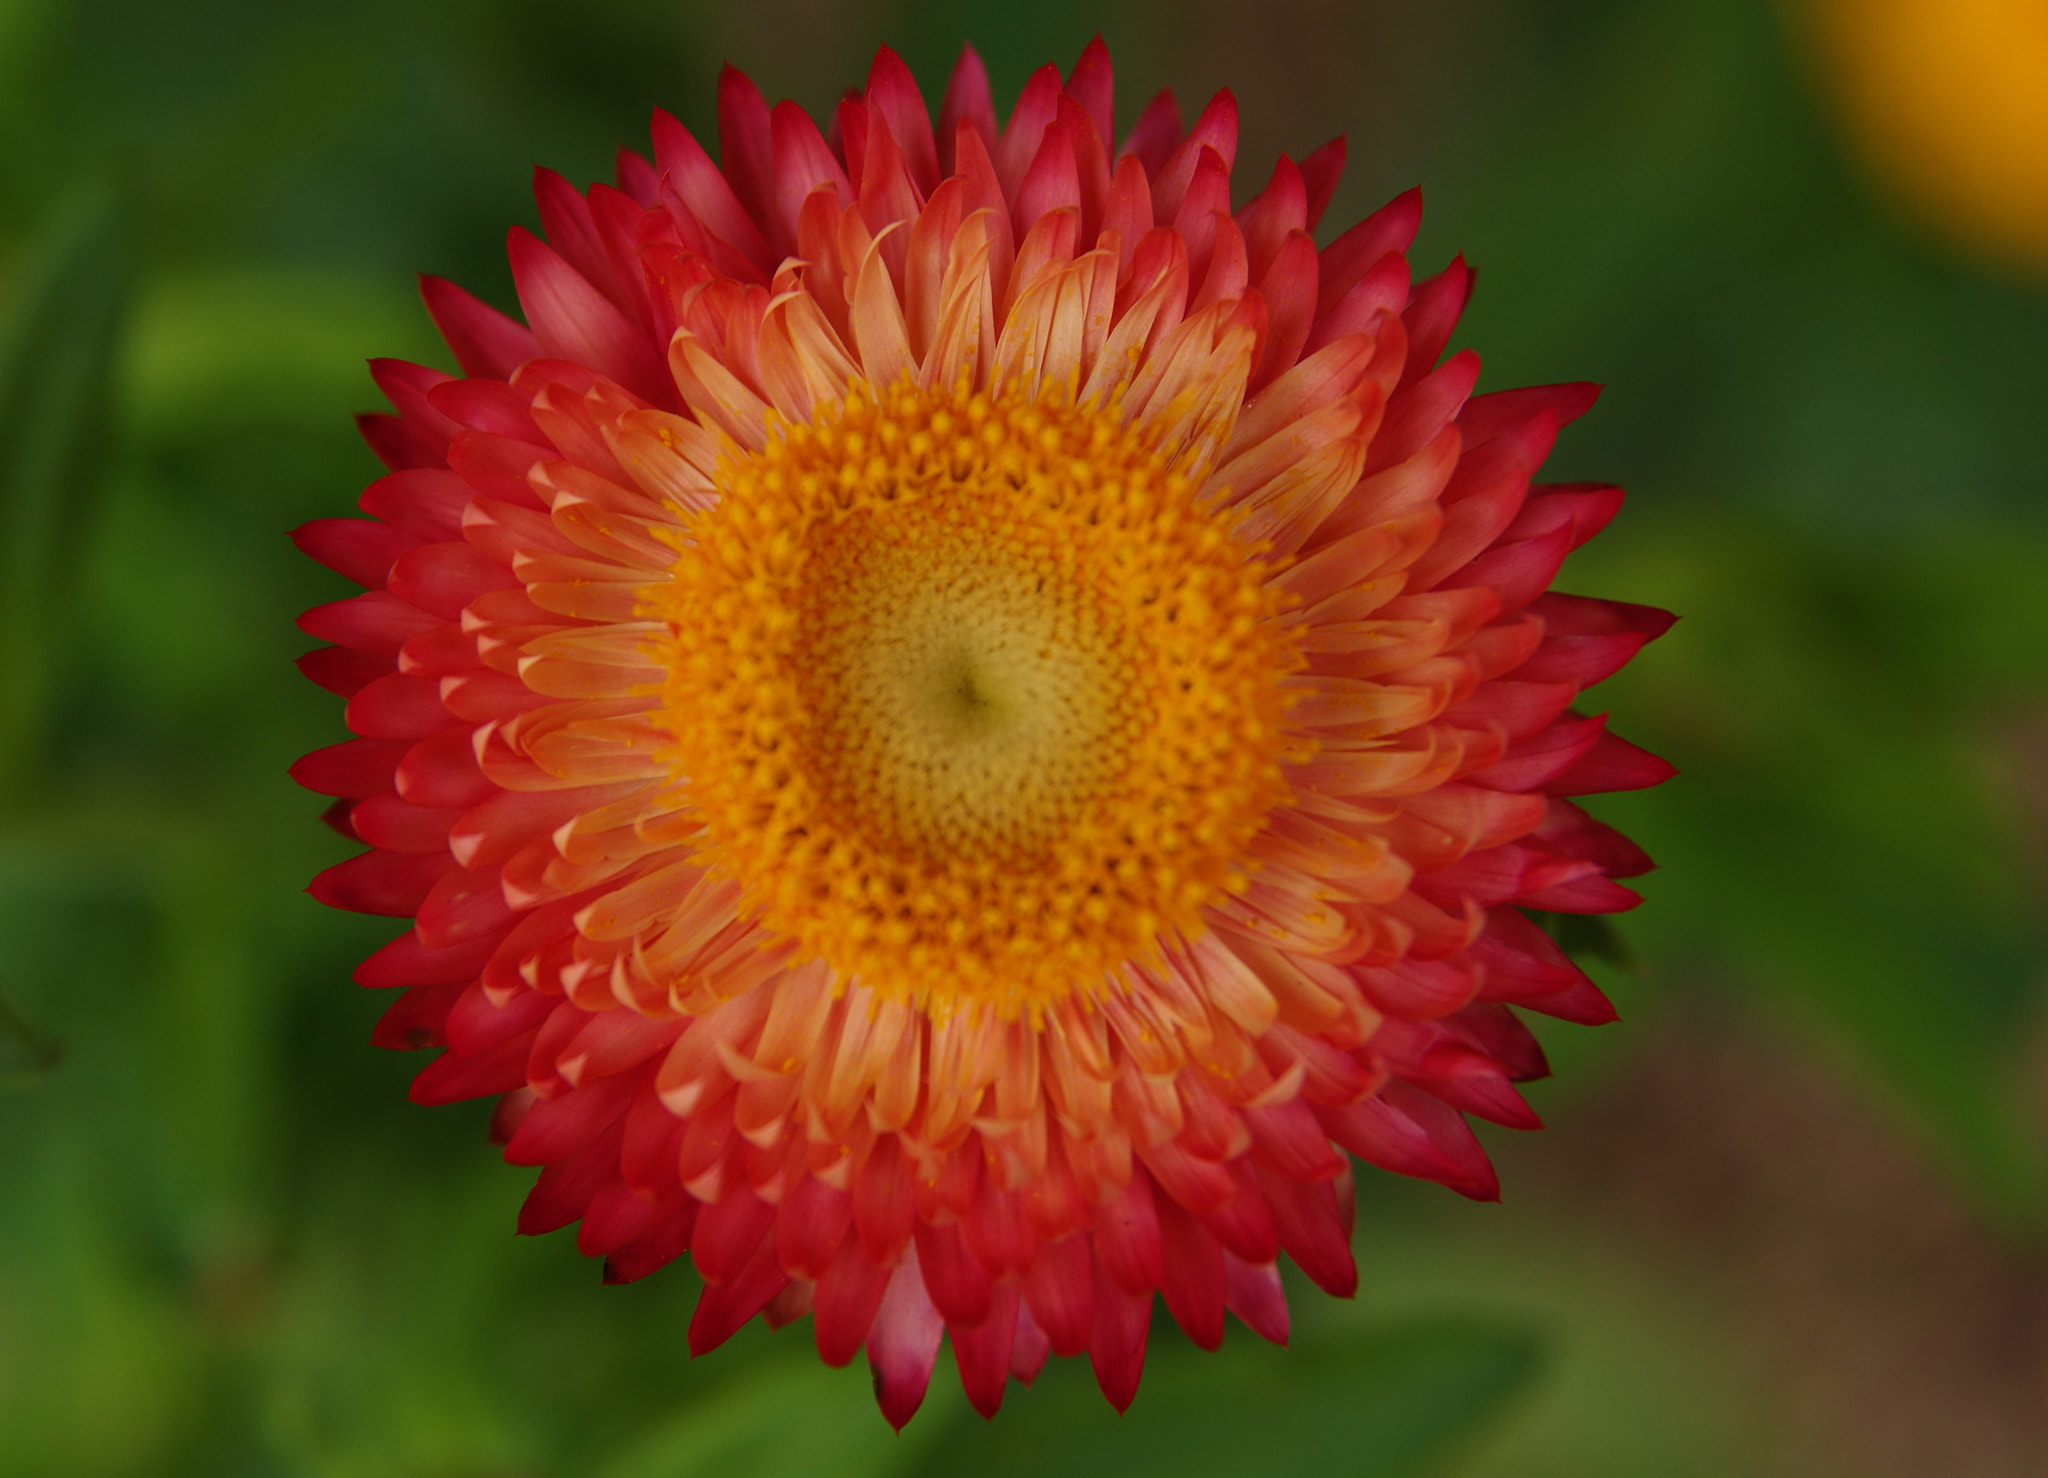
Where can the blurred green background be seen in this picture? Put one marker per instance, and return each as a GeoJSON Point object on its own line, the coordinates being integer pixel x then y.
{"type": "Point", "coordinates": [1789, 1216]}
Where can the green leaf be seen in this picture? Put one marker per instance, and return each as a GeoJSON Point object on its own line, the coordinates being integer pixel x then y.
{"type": "Point", "coordinates": [57, 348]}
{"type": "Point", "coordinates": [26, 1055]}
{"type": "Point", "coordinates": [1588, 936]}
{"type": "Point", "coordinates": [793, 1416]}
{"type": "Point", "coordinates": [1381, 1406]}
{"type": "Point", "coordinates": [1848, 834]}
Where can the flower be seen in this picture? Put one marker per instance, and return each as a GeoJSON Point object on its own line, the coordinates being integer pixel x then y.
{"type": "Point", "coordinates": [1946, 100]}
{"type": "Point", "coordinates": [957, 723]}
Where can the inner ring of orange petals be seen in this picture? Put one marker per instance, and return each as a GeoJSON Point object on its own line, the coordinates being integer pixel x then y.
{"type": "Point", "coordinates": [972, 692]}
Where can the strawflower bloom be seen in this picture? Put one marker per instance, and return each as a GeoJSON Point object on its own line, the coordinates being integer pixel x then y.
{"type": "Point", "coordinates": [1947, 101]}
{"type": "Point", "coordinates": [958, 723]}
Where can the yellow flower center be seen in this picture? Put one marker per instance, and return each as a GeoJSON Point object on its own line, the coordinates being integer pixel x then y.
{"type": "Point", "coordinates": [970, 694]}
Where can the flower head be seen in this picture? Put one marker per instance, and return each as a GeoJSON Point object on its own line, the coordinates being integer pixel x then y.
{"type": "Point", "coordinates": [957, 722]}
{"type": "Point", "coordinates": [1945, 100]}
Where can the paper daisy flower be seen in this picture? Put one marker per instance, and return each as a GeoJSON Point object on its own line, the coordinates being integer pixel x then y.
{"type": "Point", "coordinates": [1948, 102]}
{"type": "Point", "coordinates": [960, 725]}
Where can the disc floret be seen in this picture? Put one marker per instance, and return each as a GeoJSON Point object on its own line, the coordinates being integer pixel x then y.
{"type": "Point", "coordinates": [972, 692]}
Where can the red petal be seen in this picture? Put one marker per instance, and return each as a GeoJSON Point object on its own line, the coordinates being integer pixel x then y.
{"type": "Point", "coordinates": [357, 768]}
{"type": "Point", "coordinates": [485, 342]}
{"type": "Point", "coordinates": [983, 1352]}
{"type": "Point", "coordinates": [849, 1293]}
{"type": "Point", "coordinates": [1483, 497]}
{"type": "Point", "coordinates": [398, 445]}
{"type": "Point", "coordinates": [810, 1227]}
{"type": "Point", "coordinates": [803, 163]}
{"type": "Point", "coordinates": [341, 670]}
{"type": "Point", "coordinates": [442, 771]}
{"type": "Point", "coordinates": [1346, 260]}
{"type": "Point", "coordinates": [998, 1232]}
{"type": "Point", "coordinates": [1320, 172]}
{"type": "Point", "coordinates": [573, 320]}
{"type": "Point", "coordinates": [398, 826]}
{"type": "Point", "coordinates": [1433, 313]}
{"type": "Point", "coordinates": [882, 1208]}
{"type": "Point", "coordinates": [1092, 84]}
{"type": "Point", "coordinates": [669, 1240]}
{"type": "Point", "coordinates": [406, 961]}
{"type": "Point", "coordinates": [1502, 1036]}
{"type": "Point", "coordinates": [1417, 413]}
{"type": "Point", "coordinates": [463, 906]}
{"type": "Point", "coordinates": [565, 219]}
{"type": "Point", "coordinates": [618, 1214]}
{"type": "Point", "coordinates": [566, 1189]}
{"type": "Point", "coordinates": [398, 706]}
{"type": "Point", "coordinates": [731, 1233]}
{"type": "Point", "coordinates": [1590, 894]}
{"type": "Point", "coordinates": [1253, 1293]}
{"type": "Point", "coordinates": [1198, 1184]}
{"type": "Point", "coordinates": [1156, 133]}
{"type": "Point", "coordinates": [647, 1155]}
{"type": "Point", "coordinates": [1053, 181]}
{"type": "Point", "coordinates": [1037, 105]}
{"type": "Point", "coordinates": [425, 502]}
{"type": "Point", "coordinates": [1522, 710]}
{"type": "Point", "coordinates": [1311, 1223]}
{"type": "Point", "coordinates": [417, 1019]}
{"type": "Point", "coordinates": [375, 621]}
{"type": "Point", "coordinates": [444, 578]}
{"type": "Point", "coordinates": [1028, 1353]}
{"type": "Point", "coordinates": [478, 1023]}
{"type": "Point", "coordinates": [622, 223]}
{"type": "Point", "coordinates": [1127, 1237]}
{"type": "Point", "coordinates": [1243, 1224]}
{"type": "Point", "coordinates": [746, 145]}
{"type": "Point", "coordinates": [1522, 571]}
{"type": "Point", "coordinates": [966, 101]}
{"type": "Point", "coordinates": [1405, 1130]}
{"type": "Point", "coordinates": [903, 1344]}
{"type": "Point", "coordinates": [1576, 834]}
{"type": "Point", "coordinates": [1060, 1291]}
{"type": "Point", "coordinates": [357, 549]}
{"type": "Point", "coordinates": [1216, 129]}
{"type": "Point", "coordinates": [1534, 761]}
{"type": "Point", "coordinates": [406, 385]}
{"type": "Point", "coordinates": [1274, 215]}
{"type": "Point", "coordinates": [893, 94]}
{"type": "Point", "coordinates": [1488, 416]}
{"type": "Point", "coordinates": [1117, 1348]}
{"type": "Point", "coordinates": [493, 408]}
{"type": "Point", "coordinates": [1612, 764]}
{"type": "Point", "coordinates": [1287, 1140]}
{"type": "Point", "coordinates": [1191, 1280]}
{"type": "Point", "coordinates": [1289, 288]}
{"type": "Point", "coordinates": [723, 1308]}
{"type": "Point", "coordinates": [557, 1128]}
{"type": "Point", "coordinates": [483, 694]}
{"type": "Point", "coordinates": [454, 1076]}
{"type": "Point", "coordinates": [703, 190]}
{"type": "Point", "coordinates": [636, 177]}
{"type": "Point", "coordinates": [958, 1284]}
{"type": "Point", "coordinates": [1461, 1081]}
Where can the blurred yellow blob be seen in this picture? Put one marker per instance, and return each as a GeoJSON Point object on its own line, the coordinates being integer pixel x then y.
{"type": "Point", "coordinates": [1949, 100]}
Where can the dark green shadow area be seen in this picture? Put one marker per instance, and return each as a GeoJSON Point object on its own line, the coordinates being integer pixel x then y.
{"type": "Point", "coordinates": [1376, 1406]}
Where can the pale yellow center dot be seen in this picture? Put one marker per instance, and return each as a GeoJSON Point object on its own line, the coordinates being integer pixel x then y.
{"type": "Point", "coordinates": [971, 696]}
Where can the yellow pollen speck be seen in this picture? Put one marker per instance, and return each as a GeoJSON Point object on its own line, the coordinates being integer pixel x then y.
{"type": "Point", "coordinates": [974, 725]}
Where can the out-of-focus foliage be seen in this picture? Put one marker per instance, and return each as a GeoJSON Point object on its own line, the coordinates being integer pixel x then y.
{"type": "Point", "coordinates": [228, 1245]}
